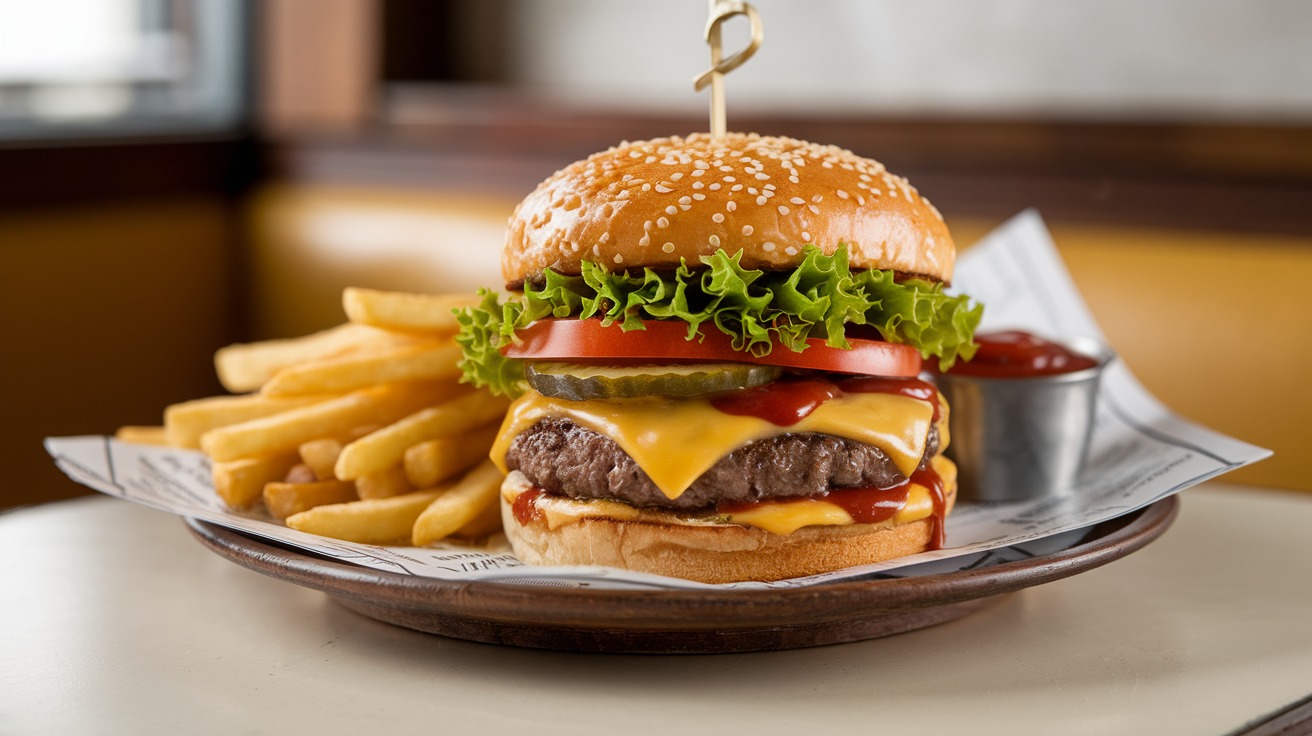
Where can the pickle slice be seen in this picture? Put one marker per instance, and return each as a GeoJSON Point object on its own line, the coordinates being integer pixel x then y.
{"type": "Point", "coordinates": [578, 382]}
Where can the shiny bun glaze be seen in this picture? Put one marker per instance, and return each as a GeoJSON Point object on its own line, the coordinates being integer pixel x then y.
{"type": "Point", "coordinates": [652, 203]}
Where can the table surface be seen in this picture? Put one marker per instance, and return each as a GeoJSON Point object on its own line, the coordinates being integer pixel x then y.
{"type": "Point", "coordinates": [114, 620]}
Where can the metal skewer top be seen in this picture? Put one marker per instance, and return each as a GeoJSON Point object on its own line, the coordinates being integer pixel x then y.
{"type": "Point", "coordinates": [722, 10]}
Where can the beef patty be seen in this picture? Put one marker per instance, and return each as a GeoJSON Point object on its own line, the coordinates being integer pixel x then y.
{"type": "Point", "coordinates": [561, 457]}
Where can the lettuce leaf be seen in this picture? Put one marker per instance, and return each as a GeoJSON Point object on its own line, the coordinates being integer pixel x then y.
{"type": "Point", "coordinates": [757, 309]}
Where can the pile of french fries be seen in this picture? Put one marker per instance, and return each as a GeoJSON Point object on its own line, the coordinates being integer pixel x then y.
{"type": "Point", "coordinates": [360, 432]}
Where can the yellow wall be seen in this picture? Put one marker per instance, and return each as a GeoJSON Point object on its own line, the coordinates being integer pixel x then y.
{"type": "Point", "coordinates": [1216, 325]}
{"type": "Point", "coordinates": [310, 242]}
{"type": "Point", "coordinates": [107, 314]}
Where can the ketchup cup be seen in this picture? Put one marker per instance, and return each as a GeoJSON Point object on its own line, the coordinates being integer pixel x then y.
{"type": "Point", "coordinates": [1026, 437]}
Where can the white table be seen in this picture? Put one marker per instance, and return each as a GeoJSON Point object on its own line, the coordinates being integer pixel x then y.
{"type": "Point", "coordinates": [114, 620]}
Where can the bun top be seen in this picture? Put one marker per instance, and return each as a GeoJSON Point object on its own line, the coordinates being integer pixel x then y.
{"type": "Point", "coordinates": [652, 203]}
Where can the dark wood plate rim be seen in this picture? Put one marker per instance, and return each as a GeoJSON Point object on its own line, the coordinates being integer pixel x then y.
{"type": "Point", "coordinates": [689, 610]}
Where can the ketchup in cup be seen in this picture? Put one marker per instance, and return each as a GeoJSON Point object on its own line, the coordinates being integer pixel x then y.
{"type": "Point", "coordinates": [1022, 415]}
{"type": "Point", "coordinates": [1016, 354]}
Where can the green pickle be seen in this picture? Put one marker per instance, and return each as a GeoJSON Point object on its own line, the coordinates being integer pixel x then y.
{"type": "Point", "coordinates": [579, 382]}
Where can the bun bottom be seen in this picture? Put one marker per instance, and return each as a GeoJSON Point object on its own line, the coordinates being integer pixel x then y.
{"type": "Point", "coordinates": [712, 553]}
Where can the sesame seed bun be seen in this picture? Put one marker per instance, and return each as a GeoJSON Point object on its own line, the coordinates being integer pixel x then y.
{"type": "Point", "coordinates": [710, 553]}
{"type": "Point", "coordinates": [652, 203]}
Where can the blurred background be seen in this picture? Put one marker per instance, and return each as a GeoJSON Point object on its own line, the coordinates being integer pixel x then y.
{"type": "Point", "coordinates": [177, 175]}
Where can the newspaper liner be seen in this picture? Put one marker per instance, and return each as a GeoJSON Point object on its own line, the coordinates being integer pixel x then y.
{"type": "Point", "coordinates": [1140, 454]}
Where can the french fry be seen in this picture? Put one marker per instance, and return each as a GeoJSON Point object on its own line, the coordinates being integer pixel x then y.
{"type": "Point", "coordinates": [387, 446]}
{"type": "Point", "coordinates": [246, 367]}
{"type": "Point", "coordinates": [288, 499]}
{"type": "Point", "coordinates": [142, 435]}
{"type": "Point", "coordinates": [286, 431]}
{"type": "Point", "coordinates": [384, 483]}
{"type": "Point", "coordinates": [185, 423]}
{"type": "Point", "coordinates": [321, 456]}
{"type": "Point", "coordinates": [428, 463]}
{"type": "Point", "coordinates": [241, 482]}
{"type": "Point", "coordinates": [365, 368]}
{"type": "Point", "coordinates": [405, 312]}
{"type": "Point", "coordinates": [377, 521]}
{"type": "Point", "coordinates": [484, 525]}
{"type": "Point", "coordinates": [460, 505]}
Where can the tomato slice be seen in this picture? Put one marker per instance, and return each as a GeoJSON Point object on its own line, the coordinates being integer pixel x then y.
{"type": "Point", "coordinates": [582, 339]}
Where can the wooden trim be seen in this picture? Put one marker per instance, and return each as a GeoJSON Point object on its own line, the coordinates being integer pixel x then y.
{"type": "Point", "coordinates": [318, 65]}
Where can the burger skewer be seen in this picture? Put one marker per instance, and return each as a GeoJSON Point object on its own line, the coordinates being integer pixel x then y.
{"type": "Point", "coordinates": [722, 10]}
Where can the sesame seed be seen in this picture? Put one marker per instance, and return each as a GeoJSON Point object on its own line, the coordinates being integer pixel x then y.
{"type": "Point", "coordinates": [767, 246]}
{"type": "Point", "coordinates": [574, 247]}
{"type": "Point", "coordinates": [762, 176]}
{"type": "Point", "coordinates": [783, 210]}
{"type": "Point", "coordinates": [699, 196]}
{"type": "Point", "coordinates": [794, 180]}
{"type": "Point", "coordinates": [685, 200]}
{"type": "Point", "coordinates": [770, 187]}
{"type": "Point", "coordinates": [865, 178]}
{"type": "Point", "coordinates": [649, 159]}
{"type": "Point", "coordinates": [747, 230]}
{"type": "Point", "coordinates": [752, 190]}
{"type": "Point", "coordinates": [876, 192]}
{"type": "Point", "coordinates": [596, 249]}
{"type": "Point", "coordinates": [646, 226]}
{"type": "Point", "coordinates": [827, 165]}
{"type": "Point", "coordinates": [817, 198]}
{"type": "Point", "coordinates": [644, 240]}
{"type": "Point", "coordinates": [797, 200]}
{"type": "Point", "coordinates": [671, 210]}
{"type": "Point", "coordinates": [761, 200]}
{"type": "Point", "coordinates": [749, 170]}
{"type": "Point", "coordinates": [698, 172]}
{"type": "Point", "coordinates": [668, 247]}
{"type": "Point", "coordinates": [646, 187]}
{"type": "Point", "coordinates": [726, 168]}
{"type": "Point", "coordinates": [685, 207]}
{"type": "Point", "coordinates": [806, 236]}
{"type": "Point", "coordinates": [731, 206]}
{"type": "Point", "coordinates": [717, 218]}
{"type": "Point", "coordinates": [790, 250]}
{"type": "Point", "coordinates": [624, 194]}
{"type": "Point", "coordinates": [663, 189]}
{"type": "Point", "coordinates": [619, 258]}
{"type": "Point", "coordinates": [697, 185]}
{"type": "Point", "coordinates": [676, 176]}
{"type": "Point", "coordinates": [635, 154]}
{"type": "Point", "coordinates": [736, 188]}
{"type": "Point", "coordinates": [860, 200]}
{"type": "Point", "coordinates": [701, 165]}
{"type": "Point", "coordinates": [729, 179]}
{"type": "Point", "coordinates": [715, 186]}
{"type": "Point", "coordinates": [662, 222]}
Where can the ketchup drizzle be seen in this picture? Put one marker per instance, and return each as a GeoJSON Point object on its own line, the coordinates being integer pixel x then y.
{"type": "Point", "coordinates": [788, 401]}
{"type": "Point", "coordinates": [782, 403]}
{"type": "Point", "coordinates": [525, 508]}
{"type": "Point", "coordinates": [930, 479]}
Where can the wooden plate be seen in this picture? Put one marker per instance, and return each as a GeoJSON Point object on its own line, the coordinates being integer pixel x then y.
{"type": "Point", "coordinates": [680, 621]}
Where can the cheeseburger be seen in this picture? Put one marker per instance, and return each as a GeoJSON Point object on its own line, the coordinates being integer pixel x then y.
{"type": "Point", "coordinates": [714, 348]}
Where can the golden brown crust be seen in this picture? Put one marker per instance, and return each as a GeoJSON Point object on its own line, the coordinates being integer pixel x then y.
{"type": "Point", "coordinates": [710, 554]}
{"type": "Point", "coordinates": [652, 203]}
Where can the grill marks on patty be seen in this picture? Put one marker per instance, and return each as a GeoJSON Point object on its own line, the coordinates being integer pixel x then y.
{"type": "Point", "coordinates": [563, 458]}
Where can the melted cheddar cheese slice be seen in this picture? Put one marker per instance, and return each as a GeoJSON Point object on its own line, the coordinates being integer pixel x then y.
{"type": "Point", "coordinates": [675, 440]}
{"type": "Point", "coordinates": [782, 517]}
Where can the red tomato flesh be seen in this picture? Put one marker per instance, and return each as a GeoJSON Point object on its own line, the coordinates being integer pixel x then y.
{"type": "Point", "coordinates": [587, 339]}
